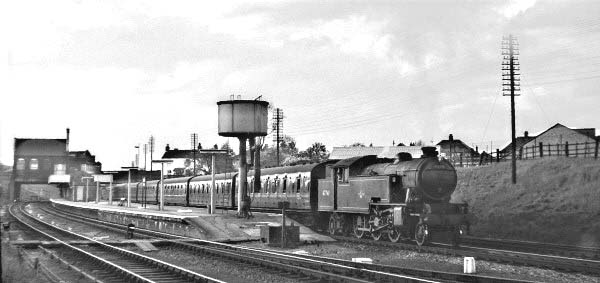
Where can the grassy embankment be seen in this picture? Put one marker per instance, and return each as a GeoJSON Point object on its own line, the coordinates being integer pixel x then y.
{"type": "Point", "coordinates": [555, 200]}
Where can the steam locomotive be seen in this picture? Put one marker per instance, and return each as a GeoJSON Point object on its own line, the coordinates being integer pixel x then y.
{"type": "Point", "coordinates": [403, 198]}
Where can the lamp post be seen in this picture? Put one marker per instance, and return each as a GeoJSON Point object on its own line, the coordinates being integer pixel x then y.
{"type": "Point", "coordinates": [87, 182]}
{"type": "Point", "coordinates": [137, 156]}
{"type": "Point", "coordinates": [213, 152]}
{"type": "Point", "coordinates": [128, 168]}
{"type": "Point", "coordinates": [161, 203]}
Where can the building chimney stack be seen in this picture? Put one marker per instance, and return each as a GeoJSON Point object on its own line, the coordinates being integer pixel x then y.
{"type": "Point", "coordinates": [68, 137]}
{"type": "Point", "coordinates": [451, 137]}
{"type": "Point", "coordinates": [526, 134]}
{"type": "Point", "coordinates": [167, 148]}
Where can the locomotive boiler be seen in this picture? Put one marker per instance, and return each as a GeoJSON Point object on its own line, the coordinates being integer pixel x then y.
{"type": "Point", "coordinates": [404, 198]}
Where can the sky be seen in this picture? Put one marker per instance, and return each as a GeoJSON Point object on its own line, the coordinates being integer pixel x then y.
{"type": "Point", "coordinates": [117, 72]}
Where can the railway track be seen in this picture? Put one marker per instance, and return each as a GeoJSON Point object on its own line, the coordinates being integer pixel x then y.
{"type": "Point", "coordinates": [107, 263]}
{"type": "Point", "coordinates": [305, 266]}
{"type": "Point", "coordinates": [535, 247]}
{"type": "Point", "coordinates": [562, 263]}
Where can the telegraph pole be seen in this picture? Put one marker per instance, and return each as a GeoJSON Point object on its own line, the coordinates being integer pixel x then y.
{"type": "Point", "coordinates": [277, 127]}
{"type": "Point", "coordinates": [510, 87]}
{"type": "Point", "coordinates": [194, 141]}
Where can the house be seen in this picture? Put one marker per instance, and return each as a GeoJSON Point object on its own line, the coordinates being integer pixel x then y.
{"type": "Point", "coordinates": [519, 142]}
{"type": "Point", "coordinates": [455, 149]}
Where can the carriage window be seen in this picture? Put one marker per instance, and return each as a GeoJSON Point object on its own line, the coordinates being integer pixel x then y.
{"type": "Point", "coordinates": [275, 185]}
{"type": "Point", "coordinates": [284, 188]}
{"type": "Point", "coordinates": [266, 185]}
{"type": "Point", "coordinates": [298, 180]}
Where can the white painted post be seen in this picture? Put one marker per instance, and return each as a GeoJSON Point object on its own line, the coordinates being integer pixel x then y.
{"type": "Point", "coordinates": [162, 186]}
{"type": "Point", "coordinates": [87, 190]}
{"type": "Point", "coordinates": [128, 187]}
{"type": "Point", "coordinates": [469, 265]}
{"type": "Point", "coordinates": [97, 191]}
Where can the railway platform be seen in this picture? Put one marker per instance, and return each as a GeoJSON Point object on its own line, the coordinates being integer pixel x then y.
{"type": "Point", "coordinates": [194, 222]}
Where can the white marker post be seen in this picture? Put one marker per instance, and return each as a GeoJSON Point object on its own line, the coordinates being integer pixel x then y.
{"type": "Point", "coordinates": [161, 203]}
{"type": "Point", "coordinates": [128, 168]}
{"type": "Point", "coordinates": [106, 178]}
{"type": "Point", "coordinates": [213, 152]}
{"type": "Point", "coordinates": [87, 183]}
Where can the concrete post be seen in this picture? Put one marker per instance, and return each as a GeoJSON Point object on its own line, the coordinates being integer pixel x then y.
{"type": "Point", "coordinates": [242, 176]}
{"type": "Point", "coordinates": [212, 192]}
{"type": "Point", "coordinates": [128, 187]}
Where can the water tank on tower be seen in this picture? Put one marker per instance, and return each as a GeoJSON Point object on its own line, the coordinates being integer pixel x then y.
{"type": "Point", "coordinates": [243, 118]}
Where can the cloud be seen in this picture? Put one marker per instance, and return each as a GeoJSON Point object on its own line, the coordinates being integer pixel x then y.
{"type": "Point", "coordinates": [514, 7]}
{"type": "Point", "coordinates": [352, 35]}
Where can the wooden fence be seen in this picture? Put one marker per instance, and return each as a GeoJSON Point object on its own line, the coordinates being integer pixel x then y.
{"type": "Point", "coordinates": [540, 150]}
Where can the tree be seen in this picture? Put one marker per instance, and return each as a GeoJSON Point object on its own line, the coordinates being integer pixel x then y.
{"type": "Point", "coordinates": [357, 144]}
{"type": "Point", "coordinates": [317, 152]}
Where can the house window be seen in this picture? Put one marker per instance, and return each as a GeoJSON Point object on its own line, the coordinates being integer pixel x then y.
{"type": "Point", "coordinates": [34, 164]}
{"type": "Point", "coordinates": [46, 165]}
{"type": "Point", "coordinates": [21, 164]}
{"type": "Point", "coordinates": [60, 169]}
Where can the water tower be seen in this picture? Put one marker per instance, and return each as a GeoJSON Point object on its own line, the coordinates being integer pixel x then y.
{"type": "Point", "coordinates": [243, 119]}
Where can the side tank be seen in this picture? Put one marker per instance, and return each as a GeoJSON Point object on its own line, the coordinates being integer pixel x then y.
{"type": "Point", "coordinates": [435, 179]}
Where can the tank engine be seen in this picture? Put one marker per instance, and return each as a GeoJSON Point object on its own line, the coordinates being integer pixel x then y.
{"type": "Point", "coordinates": [405, 198]}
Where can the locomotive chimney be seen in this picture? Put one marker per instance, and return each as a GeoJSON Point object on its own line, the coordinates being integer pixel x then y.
{"type": "Point", "coordinates": [167, 148]}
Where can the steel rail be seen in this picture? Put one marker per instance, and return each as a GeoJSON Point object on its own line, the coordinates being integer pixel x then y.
{"type": "Point", "coordinates": [584, 252]}
{"type": "Point", "coordinates": [322, 270]}
{"type": "Point", "coordinates": [167, 267]}
{"type": "Point", "coordinates": [506, 256]}
{"type": "Point", "coordinates": [377, 270]}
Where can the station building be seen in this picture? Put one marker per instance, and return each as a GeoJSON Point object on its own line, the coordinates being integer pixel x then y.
{"type": "Point", "coordinates": [45, 168]}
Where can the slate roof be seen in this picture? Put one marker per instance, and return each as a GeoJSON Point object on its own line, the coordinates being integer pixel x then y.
{"type": "Point", "coordinates": [455, 142]}
{"type": "Point", "coordinates": [521, 141]}
{"type": "Point", "coordinates": [40, 147]}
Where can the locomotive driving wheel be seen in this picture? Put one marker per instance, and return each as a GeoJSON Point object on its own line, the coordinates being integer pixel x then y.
{"type": "Point", "coordinates": [421, 234]}
{"type": "Point", "coordinates": [359, 223]}
{"type": "Point", "coordinates": [332, 224]}
{"type": "Point", "coordinates": [375, 222]}
{"type": "Point", "coordinates": [395, 234]}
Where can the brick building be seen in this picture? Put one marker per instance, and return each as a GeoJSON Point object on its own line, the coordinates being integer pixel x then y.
{"type": "Point", "coordinates": [557, 138]}
{"type": "Point", "coordinates": [45, 168]}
